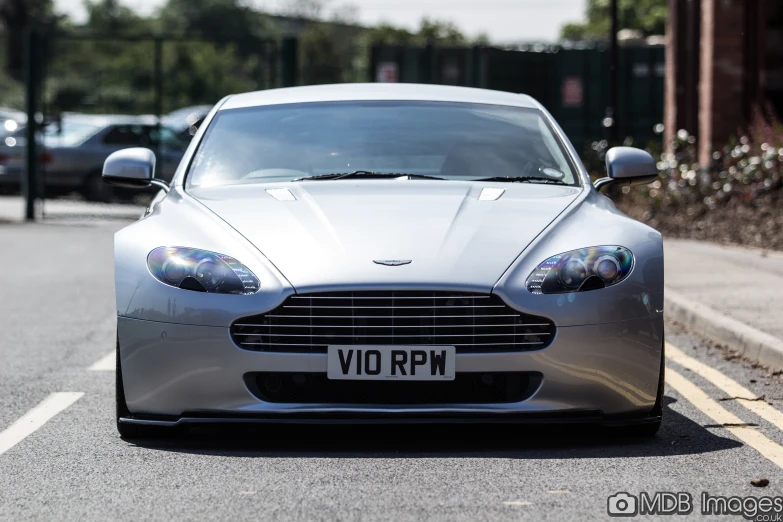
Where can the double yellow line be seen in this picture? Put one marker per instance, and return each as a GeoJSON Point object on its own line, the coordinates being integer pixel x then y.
{"type": "Point", "coordinates": [747, 434]}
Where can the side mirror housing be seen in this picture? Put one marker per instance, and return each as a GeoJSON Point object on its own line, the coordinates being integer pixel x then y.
{"type": "Point", "coordinates": [132, 168]}
{"type": "Point", "coordinates": [628, 166]}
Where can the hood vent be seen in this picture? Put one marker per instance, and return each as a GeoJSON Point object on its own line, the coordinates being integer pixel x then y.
{"type": "Point", "coordinates": [281, 194]}
{"type": "Point", "coordinates": [491, 194]}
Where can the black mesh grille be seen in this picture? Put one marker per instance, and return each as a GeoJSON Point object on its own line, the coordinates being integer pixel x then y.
{"type": "Point", "coordinates": [473, 323]}
{"type": "Point", "coordinates": [466, 388]}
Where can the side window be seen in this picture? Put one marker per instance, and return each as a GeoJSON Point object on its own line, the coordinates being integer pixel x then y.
{"type": "Point", "coordinates": [127, 136]}
{"type": "Point", "coordinates": [168, 139]}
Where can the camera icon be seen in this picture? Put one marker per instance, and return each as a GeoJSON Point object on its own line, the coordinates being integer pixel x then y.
{"type": "Point", "coordinates": [622, 505]}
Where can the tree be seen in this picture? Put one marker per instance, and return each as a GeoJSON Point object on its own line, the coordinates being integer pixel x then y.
{"type": "Point", "coordinates": [15, 17]}
{"type": "Point", "coordinates": [111, 17]}
{"type": "Point", "coordinates": [437, 32]}
{"type": "Point", "coordinates": [217, 18]}
{"type": "Point", "coordinates": [648, 16]}
{"type": "Point", "coordinates": [442, 32]}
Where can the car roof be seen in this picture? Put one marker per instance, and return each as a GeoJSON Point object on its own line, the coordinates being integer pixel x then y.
{"type": "Point", "coordinates": [378, 91]}
{"type": "Point", "coordinates": [109, 119]}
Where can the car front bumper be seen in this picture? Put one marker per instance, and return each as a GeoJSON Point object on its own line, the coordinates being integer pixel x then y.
{"type": "Point", "coordinates": [175, 374]}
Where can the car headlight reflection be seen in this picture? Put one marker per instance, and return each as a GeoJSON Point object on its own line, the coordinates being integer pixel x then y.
{"type": "Point", "coordinates": [581, 270]}
{"type": "Point", "coordinates": [201, 270]}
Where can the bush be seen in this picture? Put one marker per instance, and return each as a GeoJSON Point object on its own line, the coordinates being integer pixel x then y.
{"type": "Point", "coordinates": [736, 198]}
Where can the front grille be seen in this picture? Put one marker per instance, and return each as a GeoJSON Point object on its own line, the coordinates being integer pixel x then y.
{"type": "Point", "coordinates": [472, 323]}
{"type": "Point", "coordinates": [466, 388]}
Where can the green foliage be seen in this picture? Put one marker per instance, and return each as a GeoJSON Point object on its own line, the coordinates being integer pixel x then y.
{"type": "Point", "coordinates": [648, 16]}
{"type": "Point", "coordinates": [212, 48]}
{"type": "Point", "coordinates": [336, 53]}
{"type": "Point", "coordinates": [321, 61]}
{"type": "Point", "coordinates": [430, 32]}
{"type": "Point", "coordinates": [744, 169]}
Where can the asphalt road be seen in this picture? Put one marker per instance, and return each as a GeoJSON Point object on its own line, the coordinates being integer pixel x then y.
{"type": "Point", "coordinates": [57, 321]}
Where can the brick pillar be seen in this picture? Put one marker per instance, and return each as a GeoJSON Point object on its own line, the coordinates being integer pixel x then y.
{"type": "Point", "coordinates": [671, 78]}
{"type": "Point", "coordinates": [682, 68]}
{"type": "Point", "coordinates": [722, 79]}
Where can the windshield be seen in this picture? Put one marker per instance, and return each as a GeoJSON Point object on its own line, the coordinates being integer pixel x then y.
{"type": "Point", "coordinates": [447, 140]}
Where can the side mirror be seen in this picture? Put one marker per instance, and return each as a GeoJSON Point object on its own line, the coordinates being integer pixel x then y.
{"type": "Point", "coordinates": [132, 168]}
{"type": "Point", "coordinates": [628, 166]}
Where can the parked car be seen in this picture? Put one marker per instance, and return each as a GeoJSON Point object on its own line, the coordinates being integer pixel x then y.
{"type": "Point", "coordinates": [387, 253]}
{"type": "Point", "coordinates": [10, 120]}
{"type": "Point", "coordinates": [73, 151]}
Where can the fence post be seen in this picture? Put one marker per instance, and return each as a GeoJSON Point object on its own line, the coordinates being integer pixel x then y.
{"type": "Point", "coordinates": [289, 66]}
{"type": "Point", "coordinates": [429, 63]}
{"type": "Point", "coordinates": [477, 66]}
{"type": "Point", "coordinates": [612, 111]}
{"type": "Point", "coordinates": [372, 69]}
{"type": "Point", "coordinates": [158, 100]}
{"type": "Point", "coordinates": [30, 178]}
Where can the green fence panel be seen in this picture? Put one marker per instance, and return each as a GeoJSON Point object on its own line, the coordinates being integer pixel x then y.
{"type": "Point", "coordinates": [573, 84]}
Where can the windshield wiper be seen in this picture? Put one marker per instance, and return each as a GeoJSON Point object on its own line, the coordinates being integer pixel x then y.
{"type": "Point", "coordinates": [366, 174]}
{"type": "Point", "coordinates": [523, 179]}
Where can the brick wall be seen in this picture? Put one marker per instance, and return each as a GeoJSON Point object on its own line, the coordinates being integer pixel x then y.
{"type": "Point", "coordinates": [721, 85]}
{"type": "Point", "coordinates": [714, 66]}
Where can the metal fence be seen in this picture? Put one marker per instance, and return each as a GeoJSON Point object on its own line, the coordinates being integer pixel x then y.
{"type": "Point", "coordinates": [138, 75]}
{"type": "Point", "coordinates": [573, 84]}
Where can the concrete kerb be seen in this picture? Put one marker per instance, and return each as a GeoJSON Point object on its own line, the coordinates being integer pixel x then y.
{"type": "Point", "coordinates": [757, 346]}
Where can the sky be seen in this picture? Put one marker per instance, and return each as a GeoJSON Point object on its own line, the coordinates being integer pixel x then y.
{"type": "Point", "coordinates": [503, 20]}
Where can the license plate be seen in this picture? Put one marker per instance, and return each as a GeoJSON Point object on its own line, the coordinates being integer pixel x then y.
{"type": "Point", "coordinates": [388, 363]}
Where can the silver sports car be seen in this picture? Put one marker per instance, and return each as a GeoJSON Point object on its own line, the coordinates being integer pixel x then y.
{"type": "Point", "coordinates": [386, 253]}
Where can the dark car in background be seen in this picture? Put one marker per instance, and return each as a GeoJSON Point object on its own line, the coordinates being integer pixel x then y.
{"type": "Point", "coordinates": [73, 149]}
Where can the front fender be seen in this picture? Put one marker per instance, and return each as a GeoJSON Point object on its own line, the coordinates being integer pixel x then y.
{"type": "Point", "coordinates": [177, 220]}
{"type": "Point", "coordinates": [595, 221]}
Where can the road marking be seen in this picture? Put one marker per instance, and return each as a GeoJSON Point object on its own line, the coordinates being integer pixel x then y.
{"type": "Point", "coordinates": [557, 491]}
{"type": "Point", "coordinates": [517, 503]}
{"type": "Point", "coordinates": [732, 388]}
{"type": "Point", "coordinates": [106, 363]}
{"type": "Point", "coordinates": [735, 425]}
{"type": "Point", "coordinates": [35, 418]}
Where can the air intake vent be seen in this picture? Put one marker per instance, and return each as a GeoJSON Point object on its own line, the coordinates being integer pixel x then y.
{"type": "Point", "coordinates": [473, 323]}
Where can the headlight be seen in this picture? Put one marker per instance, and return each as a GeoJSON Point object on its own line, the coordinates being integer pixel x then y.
{"type": "Point", "coordinates": [581, 270]}
{"type": "Point", "coordinates": [202, 271]}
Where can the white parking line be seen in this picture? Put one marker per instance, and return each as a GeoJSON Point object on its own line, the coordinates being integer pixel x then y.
{"type": "Point", "coordinates": [35, 418]}
{"type": "Point", "coordinates": [107, 363]}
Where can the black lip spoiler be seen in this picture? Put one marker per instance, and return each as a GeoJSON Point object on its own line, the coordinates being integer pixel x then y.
{"type": "Point", "coordinates": [593, 417]}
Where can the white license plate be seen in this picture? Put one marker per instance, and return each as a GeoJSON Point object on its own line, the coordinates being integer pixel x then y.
{"type": "Point", "coordinates": [403, 363]}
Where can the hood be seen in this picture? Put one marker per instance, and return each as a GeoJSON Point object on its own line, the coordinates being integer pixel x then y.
{"type": "Point", "coordinates": [330, 236]}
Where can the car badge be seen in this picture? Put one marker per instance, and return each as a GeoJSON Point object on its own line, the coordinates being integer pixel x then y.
{"type": "Point", "coordinates": [392, 262]}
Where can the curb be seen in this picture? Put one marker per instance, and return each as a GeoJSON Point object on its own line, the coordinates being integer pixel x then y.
{"type": "Point", "coordinates": [754, 345]}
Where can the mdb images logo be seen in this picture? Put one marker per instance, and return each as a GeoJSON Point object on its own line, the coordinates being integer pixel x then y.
{"type": "Point", "coordinates": [624, 504]}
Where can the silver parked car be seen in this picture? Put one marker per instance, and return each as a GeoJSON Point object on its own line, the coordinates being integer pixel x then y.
{"type": "Point", "coordinates": [376, 253]}
{"type": "Point", "coordinates": [72, 152]}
